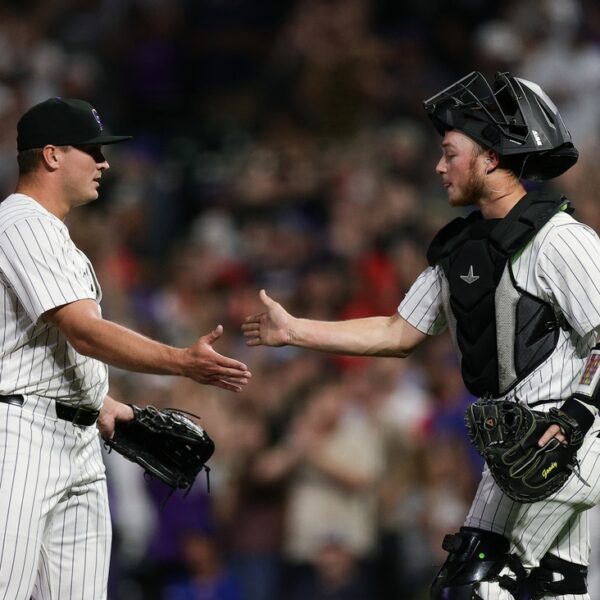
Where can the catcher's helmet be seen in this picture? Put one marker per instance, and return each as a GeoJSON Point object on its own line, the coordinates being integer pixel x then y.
{"type": "Point", "coordinates": [516, 119]}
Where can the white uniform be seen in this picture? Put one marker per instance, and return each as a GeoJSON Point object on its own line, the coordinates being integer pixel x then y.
{"type": "Point", "coordinates": [55, 528]}
{"type": "Point", "coordinates": [561, 266]}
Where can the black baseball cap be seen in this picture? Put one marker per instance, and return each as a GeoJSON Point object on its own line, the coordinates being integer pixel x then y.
{"type": "Point", "coordinates": [63, 122]}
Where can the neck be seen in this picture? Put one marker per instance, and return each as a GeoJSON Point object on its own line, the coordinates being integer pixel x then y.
{"type": "Point", "coordinates": [498, 202]}
{"type": "Point", "coordinates": [45, 194]}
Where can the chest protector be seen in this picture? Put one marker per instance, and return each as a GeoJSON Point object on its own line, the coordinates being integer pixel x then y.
{"type": "Point", "coordinates": [502, 331]}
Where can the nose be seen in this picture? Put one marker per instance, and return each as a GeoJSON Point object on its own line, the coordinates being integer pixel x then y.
{"type": "Point", "coordinates": [440, 168]}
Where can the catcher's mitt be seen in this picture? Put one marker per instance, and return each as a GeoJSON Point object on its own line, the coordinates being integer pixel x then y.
{"type": "Point", "coordinates": [166, 443]}
{"type": "Point", "coordinates": [506, 435]}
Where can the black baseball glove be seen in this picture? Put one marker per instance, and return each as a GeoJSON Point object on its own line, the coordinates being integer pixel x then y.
{"type": "Point", "coordinates": [166, 443]}
{"type": "Point", "coordinates": [506, 435]}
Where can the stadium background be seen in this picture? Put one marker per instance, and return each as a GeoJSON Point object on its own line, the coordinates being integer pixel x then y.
{"type": "Point", "coordinates": [283, 145]}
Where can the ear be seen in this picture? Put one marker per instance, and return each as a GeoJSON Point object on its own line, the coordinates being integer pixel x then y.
{"type": "Point", "coordinates": [492, 160]}
{"type": "Point", "coordinates": [51, 157]}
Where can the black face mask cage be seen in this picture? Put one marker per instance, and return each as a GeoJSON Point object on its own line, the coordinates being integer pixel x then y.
{"type": "Point", "coordinates": [473, 93]}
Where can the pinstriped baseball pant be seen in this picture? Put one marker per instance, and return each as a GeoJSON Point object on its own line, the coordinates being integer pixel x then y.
{"type": "Point", "coordinates": [558, 525]}
{"type": "Point", "coordinates": [55, 530]}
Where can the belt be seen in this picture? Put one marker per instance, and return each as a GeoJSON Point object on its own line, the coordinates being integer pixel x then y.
{"type": "Point", "coordinates": [66, 412]}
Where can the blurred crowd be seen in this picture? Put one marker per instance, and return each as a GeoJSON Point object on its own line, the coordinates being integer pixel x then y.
{"type": "Point", "coordinates": [283, 145]}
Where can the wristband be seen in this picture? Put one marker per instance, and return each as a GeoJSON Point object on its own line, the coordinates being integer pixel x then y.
{"type": "Point", "coordinates": [578, 411]}
{"type": "Point", "coordinates": [584, 403]}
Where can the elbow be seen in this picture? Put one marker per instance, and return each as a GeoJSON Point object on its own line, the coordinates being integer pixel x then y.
{"type": "Point", "coordinates": [80, 336]}
{"type": "Point", "coordinates": [80, 341]}
{"type": "Point", "coordinates": [78, 322]}
{"type": "Point", "coordinates": [83, 347]}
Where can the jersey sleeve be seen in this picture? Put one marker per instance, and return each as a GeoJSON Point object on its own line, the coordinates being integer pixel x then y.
{"type": "Point", "coordinates": [40, 263]}
{"type": "Point", "coordinates": [569, 271]}
{"type": "Point", "coordinates": [422, 306]}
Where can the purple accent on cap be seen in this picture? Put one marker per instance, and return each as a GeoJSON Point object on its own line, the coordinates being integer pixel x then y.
{"type": "Point", "coordinates": [97, 117]}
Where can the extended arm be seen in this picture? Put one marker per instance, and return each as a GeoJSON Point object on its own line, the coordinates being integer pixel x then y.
{"type": "Point", "coordinates": [82, 324]}
{"type": "Point", "coordinates": [371, 336]}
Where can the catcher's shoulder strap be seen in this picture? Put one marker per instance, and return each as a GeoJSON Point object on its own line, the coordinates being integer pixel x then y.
{"type": "Point", "coordinates": [508, 235]}
{"type": "Point", "coordinates": [526, 218]}
{"type": "Point", "coordinates": [451, 236]}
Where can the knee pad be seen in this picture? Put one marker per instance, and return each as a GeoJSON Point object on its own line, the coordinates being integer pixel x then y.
{"type": "Point", "coordinates": [475, 556]}
{"type": "Point", "coordinates": [572, 578]}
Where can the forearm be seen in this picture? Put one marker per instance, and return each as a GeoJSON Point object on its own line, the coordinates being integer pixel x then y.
{"type": "Point", "coordinates": [82, 324]}
{"type": "Point", "coordinates": [120, 347]}
{"type": "Point", "coordinates": [341, 475]}
{"type": "Point", "coordinates": [584, 402]}
{"type": "Point", "coordinates": [371, 336]}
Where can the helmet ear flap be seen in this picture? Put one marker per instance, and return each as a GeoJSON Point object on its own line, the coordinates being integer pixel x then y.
{"type": "Point", "coordinates": [551, 163]}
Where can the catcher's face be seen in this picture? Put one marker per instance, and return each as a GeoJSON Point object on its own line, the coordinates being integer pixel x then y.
{"type": "Point", "coordinates": [462, 168]}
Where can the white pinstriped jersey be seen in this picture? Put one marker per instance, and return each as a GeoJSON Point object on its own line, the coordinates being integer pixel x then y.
{"type": "Point", "coordinates": [40, 269]}
{"type": "Point", "coordinates": [561, 266]}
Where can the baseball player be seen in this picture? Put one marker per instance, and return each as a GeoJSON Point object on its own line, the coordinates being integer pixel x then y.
{"type": "Point", "coordinates": [517, 285]}
{"type": "Point", "coordinates": [55, 529]}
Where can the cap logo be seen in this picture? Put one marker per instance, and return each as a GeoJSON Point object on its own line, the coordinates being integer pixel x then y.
{"type": "Point", "coordinates": [97, 117]}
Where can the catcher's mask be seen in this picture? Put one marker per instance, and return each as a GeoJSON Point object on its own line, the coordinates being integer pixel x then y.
{"type": "Point", "coordinates": [515, 118]}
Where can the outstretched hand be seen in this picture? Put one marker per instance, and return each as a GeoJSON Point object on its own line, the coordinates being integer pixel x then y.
{"type": "Point", "coordinates": [205, 365]}
{"type": "Point", "coordinates": [272, 327]}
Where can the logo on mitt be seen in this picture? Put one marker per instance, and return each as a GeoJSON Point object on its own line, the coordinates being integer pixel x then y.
{"type": "Point", "coordinates": [506, 434]}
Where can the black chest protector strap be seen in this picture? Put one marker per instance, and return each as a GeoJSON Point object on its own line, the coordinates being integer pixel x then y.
{"type": "Point", "coordinates": [473, 253]}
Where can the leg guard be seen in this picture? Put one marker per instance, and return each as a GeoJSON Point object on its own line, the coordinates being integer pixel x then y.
{"type": "Point", "coordinates": [572, 578]}
{"type": "Point", "coordinates": [475, 556]}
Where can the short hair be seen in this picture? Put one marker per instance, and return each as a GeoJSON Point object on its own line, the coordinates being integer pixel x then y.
{"type": "Point", "coordinates": [29, 160]}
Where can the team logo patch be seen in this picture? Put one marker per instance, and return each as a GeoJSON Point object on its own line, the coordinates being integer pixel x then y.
{"type": "Point", "coordinates": [97, 117]}
{"type": "Point", "coordinates": [470, 277]}
{"type": "Point", "coordinates": [590, 369]}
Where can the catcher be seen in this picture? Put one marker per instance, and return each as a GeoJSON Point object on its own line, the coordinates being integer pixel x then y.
{"type": "Point", "coordinates": [516, 283]}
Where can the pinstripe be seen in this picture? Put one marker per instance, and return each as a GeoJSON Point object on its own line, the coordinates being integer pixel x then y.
{"type": "Point", "coordinates": [31, 548]}
{"type": "Point", "coordinates": [85, 550]}
{"type": "Point", "coordinates": [41, 276]}
{"type": "Point", "coordinates": [40, 516]}
{"type": "Point", "coordinates": [575, 276]}
{"type": "Point", "coordinates": [27, 241]}
{"type": "Point", "coordinates": [561, 266]}
{"type": "Point", "coordinates": [9, 495]}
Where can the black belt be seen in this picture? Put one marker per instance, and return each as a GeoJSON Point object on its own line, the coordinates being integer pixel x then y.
{"type": "Point", "coordinates": [66, 412]}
